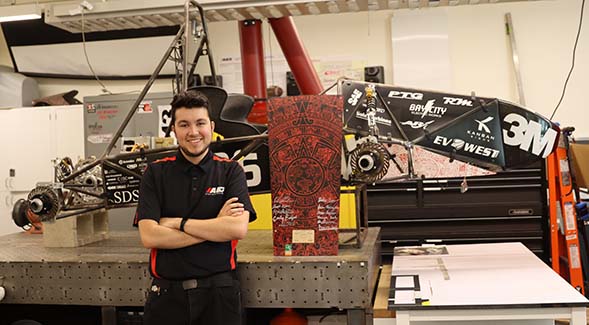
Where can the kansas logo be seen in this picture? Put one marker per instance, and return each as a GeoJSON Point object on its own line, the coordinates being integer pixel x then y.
{"type": "Point", "coordinates": [218, 190]}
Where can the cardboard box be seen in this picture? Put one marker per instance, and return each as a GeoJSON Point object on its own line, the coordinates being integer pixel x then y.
{"type": "Point", "coordinates": [580, 163]}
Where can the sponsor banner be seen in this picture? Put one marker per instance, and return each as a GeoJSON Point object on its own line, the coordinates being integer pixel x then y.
{"type": "Point", "coordinates": [476, 135]}
{"type": "Point", "coordinates": [526, 134]}
{"type": "Point", "coordinates": [417, 112]}
{"type": "Point", "coordinates": [500, 135]}
{"type": "Point", "coordinates": [355, 110]}
{"type": "Point", "coordinates": [122, 188]}
{"type": "Point", "coordinates": [427, 110]}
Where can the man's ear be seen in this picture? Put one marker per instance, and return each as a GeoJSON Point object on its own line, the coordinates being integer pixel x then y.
{"type": "Point", "coordinates": [212, 126]}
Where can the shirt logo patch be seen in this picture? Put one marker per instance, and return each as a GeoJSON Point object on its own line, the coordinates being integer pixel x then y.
{"type": "Point", "coordinates": [218, 190]}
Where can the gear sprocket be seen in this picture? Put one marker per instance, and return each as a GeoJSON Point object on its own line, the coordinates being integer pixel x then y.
{"type": "Point", "coordinates": [369, 162]}
{"type": "Point", "coordinates": [44, 202]}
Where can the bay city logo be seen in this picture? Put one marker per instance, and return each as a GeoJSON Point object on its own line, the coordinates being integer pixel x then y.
{"type": "Point", "coordinates": [405, 95]}
{"type": "Point", "coordinates": [216, 190]}
{"type": "Point", "coordinates": [528, 135]}
{"type": "Point", "coordinates": [428, 109]}
{"type": "Point", "coordinates": [417, 124]}
{"type": "Point", "coordinates": [483, 133]}
{"type": "Point", "coordinates": [461, 145]}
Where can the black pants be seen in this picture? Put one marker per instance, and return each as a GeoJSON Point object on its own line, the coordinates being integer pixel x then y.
{"type": "Point", "coordinates": [211, 301]}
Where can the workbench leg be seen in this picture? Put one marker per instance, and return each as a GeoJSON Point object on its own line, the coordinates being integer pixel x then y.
{"type": "Point", "coordinates": [356, 316]}
{"type": "Point", "coordinates": [402, 318]}
{"type": "Point", "coordinates": [109, 315]}
{"type": "Point", "coordinates": [578, 316]}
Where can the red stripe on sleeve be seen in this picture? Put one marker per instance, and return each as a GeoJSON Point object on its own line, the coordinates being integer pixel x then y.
{"type": "Point", "coordinates": [152, 258]}
{"type": "Point", "coordinates": [217, 158]}
{"type": "Point", "coordinates": [232, 258]}
{"type": "Point", "coordinates": [165, 159]}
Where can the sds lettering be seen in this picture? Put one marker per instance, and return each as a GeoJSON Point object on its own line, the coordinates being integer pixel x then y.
{"type": "Point", "coordinates": [126, 196]}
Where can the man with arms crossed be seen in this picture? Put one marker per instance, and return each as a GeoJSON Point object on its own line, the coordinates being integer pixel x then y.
{"type": "Point", "coordinates": [193, 208]}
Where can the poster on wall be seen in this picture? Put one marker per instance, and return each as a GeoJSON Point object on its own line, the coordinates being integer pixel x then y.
{"type": "Point", "coordinates": [421, 54]}
{"type": "Point", "coordinates": [329, 70]}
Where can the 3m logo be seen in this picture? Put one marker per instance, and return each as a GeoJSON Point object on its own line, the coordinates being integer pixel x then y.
{"type": "Point", "coordinates": [218, 190]}
{"type": "Point", "coordinates": [528, 135]}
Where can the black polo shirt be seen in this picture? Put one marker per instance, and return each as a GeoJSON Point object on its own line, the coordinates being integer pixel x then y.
{"type": "Point", "coordinates": [174, 187]}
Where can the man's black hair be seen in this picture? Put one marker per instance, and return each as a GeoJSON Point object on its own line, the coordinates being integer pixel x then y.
{"type": "Point", "coordinates": [189, 99]}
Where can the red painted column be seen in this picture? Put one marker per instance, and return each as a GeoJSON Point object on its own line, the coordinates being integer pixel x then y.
{"type": "Point", "coordinates": [296, 55]}
{"type": "Point", "coordinates": [252, 68]}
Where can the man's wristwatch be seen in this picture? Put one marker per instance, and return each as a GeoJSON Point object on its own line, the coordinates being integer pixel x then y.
{"type": "Point", "coordinates": [182, 224]}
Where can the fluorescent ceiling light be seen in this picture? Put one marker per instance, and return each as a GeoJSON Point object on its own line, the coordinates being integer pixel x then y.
{"type": "Point", "coordinates": [352, 5]}
{"type": "Point", "coordinates": [274, 12]}
{"type": "Point", "coordinates": [294, 10]}
{"type": "Point", "coordinates": [313, 9]}
{"type": "Point", "coordinates": [332, 7]}
{"type": "Point", "coordinates": [19, 12]}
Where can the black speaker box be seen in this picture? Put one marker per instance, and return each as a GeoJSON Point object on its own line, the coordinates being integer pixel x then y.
{"type": "Point", "coordinates": [208, 80]}
{"type": "Point", "coordinates": [194, 80]}
{"type": "Point", "coordinates": [291, 85]}
{"type": "Point", "coordinates": [374, 74]}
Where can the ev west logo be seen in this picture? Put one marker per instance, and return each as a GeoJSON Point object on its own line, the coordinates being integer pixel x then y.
{"type": "Point", "coordinates": [528, 135]}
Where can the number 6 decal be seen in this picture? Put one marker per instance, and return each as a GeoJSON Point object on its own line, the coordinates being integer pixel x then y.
{"type": "Point", "coordinates": [253, 173]}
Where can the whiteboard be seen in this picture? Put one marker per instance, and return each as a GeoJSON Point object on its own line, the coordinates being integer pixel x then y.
{"type": "Point", "coordinates": [420, 47]}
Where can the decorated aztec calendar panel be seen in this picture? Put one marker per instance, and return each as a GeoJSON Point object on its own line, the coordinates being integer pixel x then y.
{"type": "Point", "coordinates": [304, 135]}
